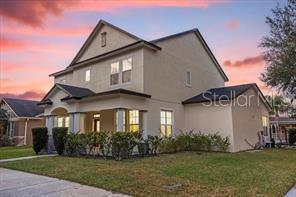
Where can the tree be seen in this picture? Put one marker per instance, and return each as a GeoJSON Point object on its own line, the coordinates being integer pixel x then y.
{"type": "Point", "coordinates": [278, 104]}
{"type": "Point", "coordinates": [280, 50]}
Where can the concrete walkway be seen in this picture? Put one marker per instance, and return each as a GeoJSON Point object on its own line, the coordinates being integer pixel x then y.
{"type": "Point", "coordinates": [15, 183]}
{"type": "Point", "coordinates": [292, 192]}
{"type": "Point", "coordinates": [29, 157]}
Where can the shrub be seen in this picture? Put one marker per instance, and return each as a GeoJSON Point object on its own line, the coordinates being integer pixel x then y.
{"type": "Point", "coordinates": [59, 138]}
{"type": "Point", "coordinates": [120, 146]}
{"type": "Point", "coordinates": [39, 138]}
{"type": "Point", "coordinates": [292, 136]}
{"type": "Point", "coordinates": [75, 144]}
{"type": "Point", "coordinates": [154, 141]}
{"type": "Point", "coordinates": [5, 141]}
{"type": "Point", "coordinates": [143, 147]}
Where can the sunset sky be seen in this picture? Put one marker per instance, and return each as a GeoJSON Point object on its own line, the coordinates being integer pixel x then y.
{"type": "Point", "coordinates": [38, 38]}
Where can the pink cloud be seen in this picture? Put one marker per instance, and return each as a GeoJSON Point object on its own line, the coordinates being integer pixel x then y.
{"type": "Point", "coordinates": [6, 43]}
{"type": "Point", "coordinates": [25, 95]}
{"type": "Point", "coordinates": [111, 5]}
{"type": "Point", "coordinates": [232, 25]}
{"type": "Point", "coordinates": [35, 12]}
{"type": "Point", "coordinates": [51, 32]}
{"type": "Point", "coordinates": [32, 12]}
{"type": "Point", "coordinates": [247, 62]}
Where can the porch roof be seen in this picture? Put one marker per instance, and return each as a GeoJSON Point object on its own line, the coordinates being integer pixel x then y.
{"type": "Point", "coordinates": [111, 92]}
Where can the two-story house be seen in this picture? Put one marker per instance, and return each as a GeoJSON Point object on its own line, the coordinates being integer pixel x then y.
{"type": "Point", "coordinates": [120, 82]}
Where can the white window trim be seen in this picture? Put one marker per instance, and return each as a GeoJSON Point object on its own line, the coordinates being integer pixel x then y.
{"type": "Point", "coordinates": [120, 71]}
{"type": "Point", "coordinates": [173, 119]}
{"type": "Point", "coordinates": [186, 79]}
{"type": "Point", "coordinates": [89, 75]}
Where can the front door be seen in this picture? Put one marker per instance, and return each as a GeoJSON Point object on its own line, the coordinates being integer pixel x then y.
{"type": "Point", "coordinates": [97, 122]}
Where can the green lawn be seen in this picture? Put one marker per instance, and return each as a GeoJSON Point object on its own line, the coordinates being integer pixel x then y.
{"type": "Point", "coordinates": [13, 152]}
{"type": "Point", "coordinates": [266, 173]}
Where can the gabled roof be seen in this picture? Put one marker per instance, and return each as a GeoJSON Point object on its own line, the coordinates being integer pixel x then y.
{"type": "Point", "coordinates": [72, 91]}
{"type": "Point", "coordinates": [222, 93]}
{"type": "Point", "coordinates": [225, 93]}
{"type": "Point", "coordinates": [23, 108]}
{"type": "Point", "coordinates": [76, 91]}
{"type": "Point", "coordinates": [203, 42]}
{"type": "Point", "coordinates": [93, 34]}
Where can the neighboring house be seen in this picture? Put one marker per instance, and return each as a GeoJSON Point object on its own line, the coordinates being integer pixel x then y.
{"type": "Point", "coordinates": [23, 115]}
{"type": "Point", "coordinates": [120, 82]}
{"type": "Point", "coordinates": [284, 124]}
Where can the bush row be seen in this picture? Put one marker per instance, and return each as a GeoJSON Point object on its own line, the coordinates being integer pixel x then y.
{"type": "Point", "coordinates": [121, 145]}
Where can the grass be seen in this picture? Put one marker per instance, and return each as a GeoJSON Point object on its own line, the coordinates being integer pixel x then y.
{"type": "Point", "coordinates": [13, 152]}
{"type": "Point", "coordinates": [266, 173]}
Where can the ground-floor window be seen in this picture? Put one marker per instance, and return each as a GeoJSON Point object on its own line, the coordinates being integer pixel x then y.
{"type": "Point", "coordinates": [166, 123]}
{"type": "Point", "coordinates": [134, 120]}
{"type": "Point", "coordinates": [265, 124]}
{"type": "Point", "coordinates": [63, 121]}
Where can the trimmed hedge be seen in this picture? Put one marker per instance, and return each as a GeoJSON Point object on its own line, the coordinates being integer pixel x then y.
{"type": "Point", "coordinates": [39, 138]}
{"type": "Point", "coordinates": [59, 138]}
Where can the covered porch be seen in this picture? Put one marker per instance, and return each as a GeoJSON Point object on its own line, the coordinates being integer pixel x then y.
{"type": "Point", "coordinates": [118, 119]}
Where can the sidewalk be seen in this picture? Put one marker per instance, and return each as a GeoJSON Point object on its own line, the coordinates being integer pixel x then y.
{"type": "Point", "coordinates": [292, 192]}
{"type": "Point", "coordinates": [29, 157]}
{"type": "Point", "coordinates": [15, 183]}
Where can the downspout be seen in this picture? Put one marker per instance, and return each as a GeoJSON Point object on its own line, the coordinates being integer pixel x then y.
{"type": "Point", "coordinates": [26, 128]}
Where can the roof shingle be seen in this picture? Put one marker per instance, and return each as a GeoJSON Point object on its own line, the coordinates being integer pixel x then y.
{"type": "Point", "coordinates": [223, 93]}
{"type": "Point", "coordinates": [24, 108]}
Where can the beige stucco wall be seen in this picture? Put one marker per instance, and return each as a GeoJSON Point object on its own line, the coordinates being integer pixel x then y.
{"type": "Point", "coordinates": [115, 39]}
{"type": "Point", "coordinates": [165, 70]}
{"type": "Point", "coordinates": [100, 74]}
{"type": "Point", "coordinates": [247, 120]}
{"type": "Point", "coordinates": [210, 120]}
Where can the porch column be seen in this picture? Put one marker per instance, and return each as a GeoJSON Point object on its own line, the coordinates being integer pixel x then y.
{"type": "Point", "coordinates": [143, 115]}
{"type": "Point", "coordinates": [49, 123]}
{"type": "Point", "coordinates": [76, 122]}
{"type": "Point", "coordinates": [71, 122]}
{"type": "Point", "coordinates": [119, 119]}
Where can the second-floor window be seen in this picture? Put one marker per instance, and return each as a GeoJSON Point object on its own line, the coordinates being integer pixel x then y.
{"type": "Point", "coordinates": [121, 71]}
{"type": "Point", "coordinates": [126, 70]}
{"type": "Point", "coordinates": [114, 73]}
{"type": "Point", "coordinates": [87, 75]}
{"type": "Point", "coordinates": [188, 78]}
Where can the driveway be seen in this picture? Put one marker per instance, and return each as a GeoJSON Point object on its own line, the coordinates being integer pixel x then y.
{"type": "Point", "coordinates": [16, 183]}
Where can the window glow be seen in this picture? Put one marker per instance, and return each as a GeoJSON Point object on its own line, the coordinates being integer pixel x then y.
{"type": "Point", "coordinates": [166, 123]}
{"type": "Point", "coordinates": [264, 121]}
{"type": "Point", "coordinates": [134, 120]}
{"type": "Point", "coordinates": [87, 75]}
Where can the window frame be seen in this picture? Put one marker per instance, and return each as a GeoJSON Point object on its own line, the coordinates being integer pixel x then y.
{"type": "Point", "coordinates": [166, 124]}
{"type": "Point", "coordinates": [190, 79]}
{"type": "Point", "coordinates": [87, 78]}
{"type": "Point", "coordinates": [103, 39]}
{"type": "Point", "coordinates": [135, 119]}
{"type": "Point", "coordinates": [120, 72]}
